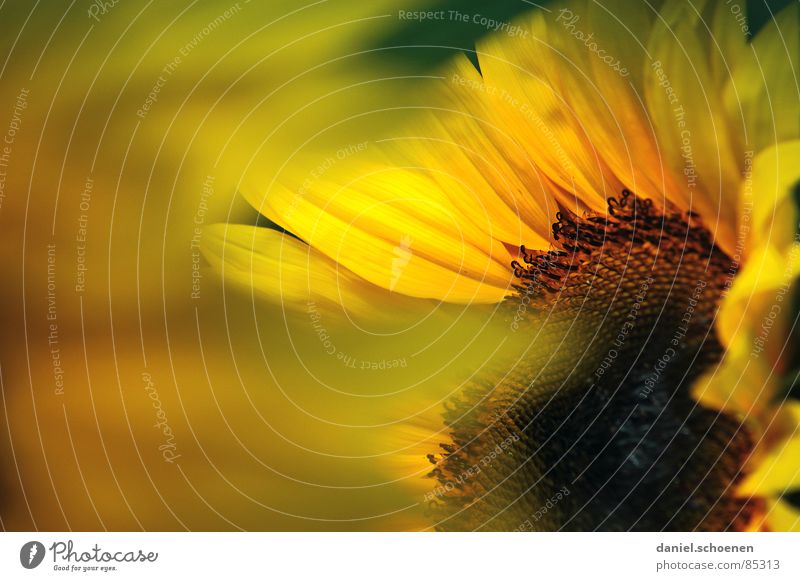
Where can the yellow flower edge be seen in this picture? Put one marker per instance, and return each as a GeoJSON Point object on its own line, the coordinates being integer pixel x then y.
{"type": "Point", "coordinates": [698, 118]}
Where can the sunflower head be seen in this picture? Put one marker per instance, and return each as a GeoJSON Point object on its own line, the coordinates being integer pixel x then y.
{"type": "Point", "coordinates": [632, 396]}
{"type": "Point", "coordinates": [613, 433]}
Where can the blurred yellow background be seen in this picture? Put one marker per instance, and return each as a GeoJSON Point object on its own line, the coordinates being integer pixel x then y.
{"type": "Point", "coordinates": [137, 391]}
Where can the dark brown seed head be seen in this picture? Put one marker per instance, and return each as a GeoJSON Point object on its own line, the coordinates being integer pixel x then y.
{"type": "Point", "coordinates": [591, 426]}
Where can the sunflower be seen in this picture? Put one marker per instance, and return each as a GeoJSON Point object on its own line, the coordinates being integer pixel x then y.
{"type": "Point", "coordinates": [620, 181]}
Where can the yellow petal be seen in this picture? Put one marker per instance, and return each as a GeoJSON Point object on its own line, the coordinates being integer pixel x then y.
{"type": "Point", "coordinates": [780, 470]}
{"type": "Point", "coordinates": [597, 58]}
{"type": "Point", "coordinates": [697, 139]}
{"type": "Point", "coordinates": [522, 92]}
{"type": "Point", "coordinates": [761, 85]}
{"type": "Point", "coordinates": [491, 155]}
{"type": "Point", "coordinates": [394, 227]}
{"type": "Point", "coordinates": [413, 442]}
{"type": "Point", "coordinates": [622, 131]}
{"type": "Point", "coordinates": [753, 316]}
{"type": "Point", "coordinates": [281, 268]}
{"type": "Point", "coordinates": [768, 246]}
{"type": "Point", "coordinates": [782, 516]}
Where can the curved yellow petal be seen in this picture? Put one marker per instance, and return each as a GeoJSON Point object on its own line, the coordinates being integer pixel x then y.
{"type": "Point", "coordinates": [580, 74]}
{"type": "Point", "coordinates": [769, 245]}
{"type": "Point", "coordinates": [492, 155]}
{"type": "Point", "coordinates": [281, 268]}
{"type": "Point", "coordinates": [388, 227]}
{"type": "Point", "coordinates": [624, 131]}
{"type": "Point", "coordinates": [414, 441]}
{"type": "Point", "coordinates": [782, 516]}
{"type": "Point", "coordinates": [583, 102]}
{"type": "Point", "coordinates": [761, 84]}
{"type": "Point", "coordinates": [697, 139]}
{"type": "Point", "coordinates": [523, 90]}
{"type": "Point", "coordinates": [779, 471]}
{"type": "Point", "coordinates": [753, 316]}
